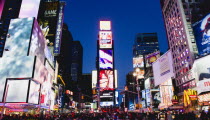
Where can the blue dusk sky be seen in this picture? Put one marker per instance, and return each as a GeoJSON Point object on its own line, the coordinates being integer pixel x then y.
{"type": "Point", "coordinates": [128, 18]}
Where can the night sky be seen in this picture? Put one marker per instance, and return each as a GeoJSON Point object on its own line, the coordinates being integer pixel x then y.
{"type": "Point", "coordinates": [128, 18]}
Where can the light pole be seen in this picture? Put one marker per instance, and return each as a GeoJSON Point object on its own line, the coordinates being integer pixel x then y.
{"type": "Point", "coordinates": [138, 74]}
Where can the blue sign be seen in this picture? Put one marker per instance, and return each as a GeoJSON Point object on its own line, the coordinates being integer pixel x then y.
{"type": "Point", "coordinates": [202, 35]}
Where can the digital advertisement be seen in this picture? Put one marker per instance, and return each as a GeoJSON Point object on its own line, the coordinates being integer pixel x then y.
{"type": "Point", "coordinates": [202, 35]}
{"type": "Point", "coordinates": [105, 59]}
{"type": "Point", "coordinates": [105, 39]}
{"type": "Point", "coordinates": [106, 78]}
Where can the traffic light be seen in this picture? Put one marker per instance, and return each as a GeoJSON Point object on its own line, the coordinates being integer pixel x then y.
{"type": "Point", "coordinates": [82, 97]}
{"type": "Point", "coordinates": [94, 91]}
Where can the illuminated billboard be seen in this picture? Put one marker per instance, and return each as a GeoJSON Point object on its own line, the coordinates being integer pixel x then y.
{"type": "Point", "coordinates": [15, 67]}
{"type": "Point", "coordinates": [48, 18]}
{"type": "Point", "coordinates": [58, 35]}
{"type": "Point", "coordinates": [17, 90]}
{"type": "Point", "coordinates": [1, 7]}
{"type": "Point", "coordinates": [105, 39]}
{"type": "Point", "coordinates": [94, 78]}
{"type": "Point", "coordinates": [33, 96]}
{"type": "Point", "coordinates": [152, 58]}
{"type": "Point", "coordinates": [38, 43]}
{"type": "Point", "coordinates": [105, 25]}
{"type": "Point", "coordinates": [29, 8]}
{"type": "Point", "coordinates": [106, 78]}
{"type": "Point", "coordinates": [201, 68]}
{"type": "Point", "coordinates": [202, 34]}
{"type": "Point", "coordinates": [106, 59]}
{"type": "Point", "coordinates": [138, 62]}
{"type": "Point", "coordinates": [162, 68]}
{"type": "Point", "coordinates": [18, 37]}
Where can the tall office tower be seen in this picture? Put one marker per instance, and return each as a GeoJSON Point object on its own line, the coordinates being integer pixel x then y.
{"type": "Point", "coordinates": [64, 59]}
{"type": "Point", "coordinates": [177, 16]}
{"type": "Point", "coordinates": [9, 9]}
{"type": "Point", "coordinates": [105, 65]}
{"type": "Point", "coordinates": [76, 61]}
{"type": "Point", "coordinates": [145, 43]}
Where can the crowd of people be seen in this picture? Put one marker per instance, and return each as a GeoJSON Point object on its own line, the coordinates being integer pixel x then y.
{"type": "Point", "coordinates": [166, 115]}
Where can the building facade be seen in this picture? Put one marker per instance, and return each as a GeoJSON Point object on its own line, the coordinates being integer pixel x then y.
{"type": "Point", "coordinates": [177, 17]}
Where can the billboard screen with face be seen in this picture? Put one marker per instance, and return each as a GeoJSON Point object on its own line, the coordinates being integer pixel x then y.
{"type": "Point", "coordinates": [105, 59]}
{"type": "Point", "coordinates": [29, 8]}
{"type": "Point", "coordinates": [202, 34]}
{"type": "Point", "coordinates": [105, 25]}
{"type": "Point", "coordinates": [18, 38]}
{"type": "Point", "coordinates": [138, 62]}
{"type": "Point", "coordinates": [105, 39]}
{"type": "Point", "coordinates": [17, 90]}
{"type": "Point", "coordinates": [106, 78]}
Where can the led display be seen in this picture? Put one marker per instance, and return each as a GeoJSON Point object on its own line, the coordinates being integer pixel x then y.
{"type": "Point", "coordinates": [1, 6]}
{"type": "Point", "coordinates": [33, 96]}
{"type": "Point", "coordinates": [152, 58]}
{"type": "Point", "coordinates": [109, 103]}
{"type": "Point", "coordinates": [94, 78]}
{"type": "Point", "coordinates": [106, 78]}
{"type": "Point", "coordinates": [29, 8]}
{"type": "Point", "coordinates": [18, 37]}
{"type": "Point", "coordinates": [37, 44]}
{"type": "Point", "coordinates": [17, 90]}
{"type": "Point", "coordinates": [15, 67]}
{"type": "Point", "coordinates": [40, 71]}
{"type": "Point", "coordinates": [202, 34]}
{"type": "Point", "coordinates": [105, 25]}
{"type": "Point", "coordinates": [47, 18]}
{"type": "Point", "coordinates": [105, 39]}
{"type": "Point", "coordinates": [49, 69]}
{"type": "Point", "coordinates": [138, 62]}
{"type": "Point", "coordinates": [105, 59]}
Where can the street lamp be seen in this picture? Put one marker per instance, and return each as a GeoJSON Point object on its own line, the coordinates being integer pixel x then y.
{"type": "Point", "coordinates": [138, 75]}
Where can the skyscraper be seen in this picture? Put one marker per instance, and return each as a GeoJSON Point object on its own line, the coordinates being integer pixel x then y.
{"type": "Point", "coordinates": [145, 43]}
{"type": "Point", "coordinates": [177, 16]}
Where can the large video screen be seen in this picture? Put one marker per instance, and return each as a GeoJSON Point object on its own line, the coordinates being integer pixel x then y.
{"type": "Point", "coordinates": [38, 44]}
{"type": "Point", "coordinates": [15, 67]}
{"type": "Point", "coordinates": [106, 78]}
{"type": "Point", "coordinates": [47, 18]}
{"type": "Point", "coordinates": [40, 72]}
{"type": "Point", "coordinates": [138, 62]}
{"type": "Point", "coordinates": [105, 59]}
{"type": "Point", "coordinates": [152, 58]}
{"type": "Point", "coordinates": [33, 96]}
{"type": "Point", "coordinates": [105, 39]}
{"type": "Point", "coordinates": [105, 25]}
{"type": "Point", "coordinates": [202, 34]}
{"type": "Point", "coordinates": [17, 90]}
{"type": "Point", "coordinates": [203, 68]}
{"type": "Point", "coordinates": [18, 37]}
{"type": "Point", "coordinates": [29, 8]}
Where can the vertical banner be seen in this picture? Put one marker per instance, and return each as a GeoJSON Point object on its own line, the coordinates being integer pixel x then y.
{"type": "Point", "coordinates": [59, 29]}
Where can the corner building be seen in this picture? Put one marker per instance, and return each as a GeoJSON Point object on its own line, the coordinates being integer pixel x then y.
{"type": "Point", "coordinates": [180, 36]}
